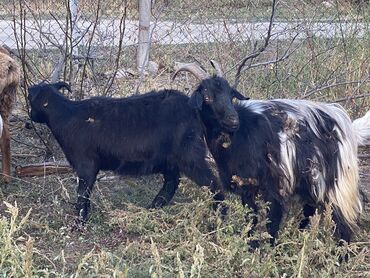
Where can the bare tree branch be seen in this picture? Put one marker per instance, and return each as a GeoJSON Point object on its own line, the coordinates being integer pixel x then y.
{"type": "Point", "coordinates": [43, 169]}
{"type": "Point", "coordinates": [57, 70]}
{"type": "Point", "coordinates": [122, 28]}
{"type": "Point", "coordinates": [260, 50]}
{"type": "Point", "coordinates": [285, 56]}
{"type": "Point", "coordinates": [352, 97]}
{"type": "Point", "coordinates": [96, 22]}
{"type": "Point", "coordinates": [327, 86]}
{"type": "Point", "coordinates": [367, 79]}
{"type": "Point", "coordinates": [21, 47]}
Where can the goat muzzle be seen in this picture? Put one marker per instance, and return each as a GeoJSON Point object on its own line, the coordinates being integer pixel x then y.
{"type": "Point", "coordinates": [231, 123]}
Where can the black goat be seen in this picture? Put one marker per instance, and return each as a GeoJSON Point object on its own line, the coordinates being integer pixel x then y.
{"type": "Point", "coordinates": [292, 147]}
{"type": "Point", "coordinates": [157, 132]}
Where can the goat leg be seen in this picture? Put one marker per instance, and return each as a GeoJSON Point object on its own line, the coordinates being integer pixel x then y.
{"type": "Point", "coordinates": [83, 198]}
{"type": "Point", "coordinates": [308, 211]}
{"type": "Point", "coordinates": [275, 215]}
{"type": "Point", "coordinates": [86, 172]}
{"type": "Point", "coordinates": [204, 171]}
{"type": "Point", "coordinates": [217, 187]}
{"type": "Point", "coordinates": [342, 229]}
{"type": "Point", "coordinates": [5, 150]}
{"type": "Point", "coordinates": [170, 185]}
{"type": "Point", "coordinates": [248, 196]}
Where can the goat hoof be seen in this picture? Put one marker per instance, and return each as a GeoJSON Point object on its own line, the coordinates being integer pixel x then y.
{"type": "Point", "coordinates": [224, 211]}
{"type": "Point", "coordinates": [158, 202]}
{"type": "Point", "coordinates": [222, 208]}
{"type": "Point", "coordinates": [343, 258]}
{"type": "Point", "coordinates": [253, 245]}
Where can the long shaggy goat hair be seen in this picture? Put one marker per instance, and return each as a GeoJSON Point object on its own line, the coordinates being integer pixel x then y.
{"type": "Point", "coordinates": [285, 148]}
{"type": "Point", "coordinates": [9, 81]}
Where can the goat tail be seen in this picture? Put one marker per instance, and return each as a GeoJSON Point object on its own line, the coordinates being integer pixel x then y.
{"type": "Point", "coordinates": [361, 128]}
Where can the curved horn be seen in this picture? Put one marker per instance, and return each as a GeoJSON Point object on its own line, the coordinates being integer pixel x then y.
{"type": "Point", "coordinates": [217, 67]}
{"type": "Point", "coordinates": [193, 68]}
{"type": "Point", "coordinates": [61, 84]}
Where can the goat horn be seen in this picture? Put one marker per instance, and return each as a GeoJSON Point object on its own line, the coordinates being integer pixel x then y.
{"type": "Point", "coordinates": [193, 68]}
{"type": "Point", "coordinates": [217, 67]}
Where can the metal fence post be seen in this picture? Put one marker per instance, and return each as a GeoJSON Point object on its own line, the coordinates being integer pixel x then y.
{"type": "Point", "coordinates": [142, 57]}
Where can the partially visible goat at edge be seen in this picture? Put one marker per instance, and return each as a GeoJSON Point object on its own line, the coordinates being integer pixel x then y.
{"type": "Point", "coordinates": [157, 132]}
{"type": "Point", "coordinates": [288, 147]}
{"type": "Point", "coordinates": [9, 82]}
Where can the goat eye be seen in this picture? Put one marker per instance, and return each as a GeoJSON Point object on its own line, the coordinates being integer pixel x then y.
{"type": "Point", "coordinates": [45, 104]}
{"type": "Point", "coordinates": [235, 100]}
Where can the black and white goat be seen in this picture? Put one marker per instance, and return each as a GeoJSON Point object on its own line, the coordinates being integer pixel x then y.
{"type": "Point", "coordinates": [157, 132]}
{"type": "Point", "coordinates": [286, 148]}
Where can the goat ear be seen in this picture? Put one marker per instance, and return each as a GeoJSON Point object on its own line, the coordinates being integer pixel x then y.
{"type": "Point", "coordinates": [236, 94]}
{"type": "Point", "coordinates": [33, 92]}
{"type": "Point", "coordinates": [196, 100]}
{"type": "Point", "coordinates": [62, 84]}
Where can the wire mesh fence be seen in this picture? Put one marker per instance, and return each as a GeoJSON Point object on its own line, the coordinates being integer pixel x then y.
{"type": "Point", "coordinates": [94, 44]}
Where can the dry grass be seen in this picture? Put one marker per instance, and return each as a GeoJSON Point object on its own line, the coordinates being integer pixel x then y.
{"type": "Point", "coordinates": [185, 239]}
{"type": "Point", "coordinates": [124, 239]}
